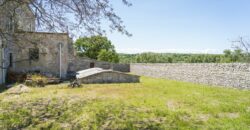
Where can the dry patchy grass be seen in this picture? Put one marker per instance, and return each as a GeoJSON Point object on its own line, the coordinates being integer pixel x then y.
{"type": "Point", "coordinates": [151, 104]}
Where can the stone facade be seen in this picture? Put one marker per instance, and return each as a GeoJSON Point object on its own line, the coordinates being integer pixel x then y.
{"type": "Point", "coordinates": [48, 46]}
{"type": "Point", "coordinates": [230, 75]}
{"type": "Point", "coordinates": [17, 17]}
{"type": "Point", "coordinates": [25, 20]}
{"type": "Point", "coordinates": [121, 67]}
{"type": "Point", "coordinates": [13, 18]}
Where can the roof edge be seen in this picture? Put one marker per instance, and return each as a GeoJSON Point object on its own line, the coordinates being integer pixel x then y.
{"type": "Point", "coordinates": [55, 33]}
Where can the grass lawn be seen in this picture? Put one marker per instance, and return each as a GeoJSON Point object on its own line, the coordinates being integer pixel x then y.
{"type": "Point", "coordinates": [151, 104]}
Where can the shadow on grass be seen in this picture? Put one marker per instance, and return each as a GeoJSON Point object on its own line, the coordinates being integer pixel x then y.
{"type": "Point", "coordinates": [3, 88]}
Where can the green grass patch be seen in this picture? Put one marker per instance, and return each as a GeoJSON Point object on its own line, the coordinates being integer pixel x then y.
{"type": "Point", "coordinates": [151, 104]}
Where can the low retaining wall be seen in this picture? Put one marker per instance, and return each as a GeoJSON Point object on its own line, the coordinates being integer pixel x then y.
{"type": "Point", "coordinates": [231, 75]}
{"type": "Point", "coordinates": [79, 63]}
{"type": "Point", "coordinates": [121, 67]}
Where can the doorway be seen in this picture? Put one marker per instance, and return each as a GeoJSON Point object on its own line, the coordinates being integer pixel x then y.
{"type": "Point", "coordinates": [11, 60]}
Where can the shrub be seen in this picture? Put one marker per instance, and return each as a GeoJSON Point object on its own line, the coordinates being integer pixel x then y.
{"type": "Point", "coordinates": [36, 80]}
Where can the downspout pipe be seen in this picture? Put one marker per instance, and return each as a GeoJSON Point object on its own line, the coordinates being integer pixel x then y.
{"type": "Point", "coordinates": [60, 59]}
{"type": "Point", "coordinates": [3, 66]}
{"type": "Point", "coordinates": [2, 61]}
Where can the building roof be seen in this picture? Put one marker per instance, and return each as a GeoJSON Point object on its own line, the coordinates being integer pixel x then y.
{"type": "Point", "coordinates": [95, 71]}
{"type": "Point", "coordinates": [98, 75]}
{"type": "Point", "coordinates": [53, 33]}
{"type": "Point", "coordinates": [89, 72]}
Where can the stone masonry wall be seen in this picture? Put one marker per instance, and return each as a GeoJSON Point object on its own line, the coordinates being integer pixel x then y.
{"type": "Point", "coordinates": [49, 53]}
{"type": "Point", "coordinates": [231, 75]}
{"type": "Point", "coordinates": [121, 67]}
{"type": "Point", "coordinates": [110, 77]}
{"type": "Point", "coordinates": [81, 63]}
{"type": "Point", "coordinates": [24, 19]}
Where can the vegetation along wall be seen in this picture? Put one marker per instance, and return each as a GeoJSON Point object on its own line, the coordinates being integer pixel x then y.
{"type": "Point", "coordinates": [228, 74]}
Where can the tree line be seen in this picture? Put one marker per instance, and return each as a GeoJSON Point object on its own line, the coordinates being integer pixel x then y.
{"type": "Point", "coordinates": [100, 48]}
{"type": "Point", "coordinates": [239, 53]}
{"type": "Point", "coordinates": [229, 56]}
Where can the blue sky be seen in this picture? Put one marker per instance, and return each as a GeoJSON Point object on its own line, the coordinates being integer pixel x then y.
{"type": "Point", "coordinates": [184, 26]}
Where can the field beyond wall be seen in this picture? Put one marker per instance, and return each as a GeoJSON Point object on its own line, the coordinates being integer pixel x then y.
{"type": "Point", "coordinates": [151, 104]}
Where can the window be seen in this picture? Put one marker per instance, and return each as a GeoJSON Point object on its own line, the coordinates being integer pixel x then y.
{"type": "Point", "coordinates": [34, 54]}
{"type": "Point", "coordinates": [92, 65]}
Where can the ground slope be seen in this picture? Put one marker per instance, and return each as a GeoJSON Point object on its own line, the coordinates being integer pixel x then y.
{"type": "Point", "coordinates": [152, 104]}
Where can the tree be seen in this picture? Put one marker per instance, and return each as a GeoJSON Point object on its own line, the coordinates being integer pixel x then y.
{"type": "Point", "coordinates": [227, 56]}
{"type": "Point", "coordinates": [243, 45]}
{"type": "Point", "coordinates": [75, 15]}
{"type": "Point", "coordinates": [96, 47]}
{"type": "Point", "coordinates": [238, 55]}
{"type": "Point", "coordinates": [109, 56]}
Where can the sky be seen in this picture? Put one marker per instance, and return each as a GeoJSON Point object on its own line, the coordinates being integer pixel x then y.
{"type": "Point", "coordinates": [181, 26]}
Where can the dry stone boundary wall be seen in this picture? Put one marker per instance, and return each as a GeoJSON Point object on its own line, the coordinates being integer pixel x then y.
{"type": "Point", "coordinates": [80, 63]}
{"type": "Point", "coordinates": [230, 75]}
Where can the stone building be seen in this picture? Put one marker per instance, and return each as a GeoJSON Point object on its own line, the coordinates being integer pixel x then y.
{"type": "Point", "coordinates": [41, 52]}
{"type": "Point", "coordinates": [26, 50]}
{"type": "Point", "coordinates": [98, 75]}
